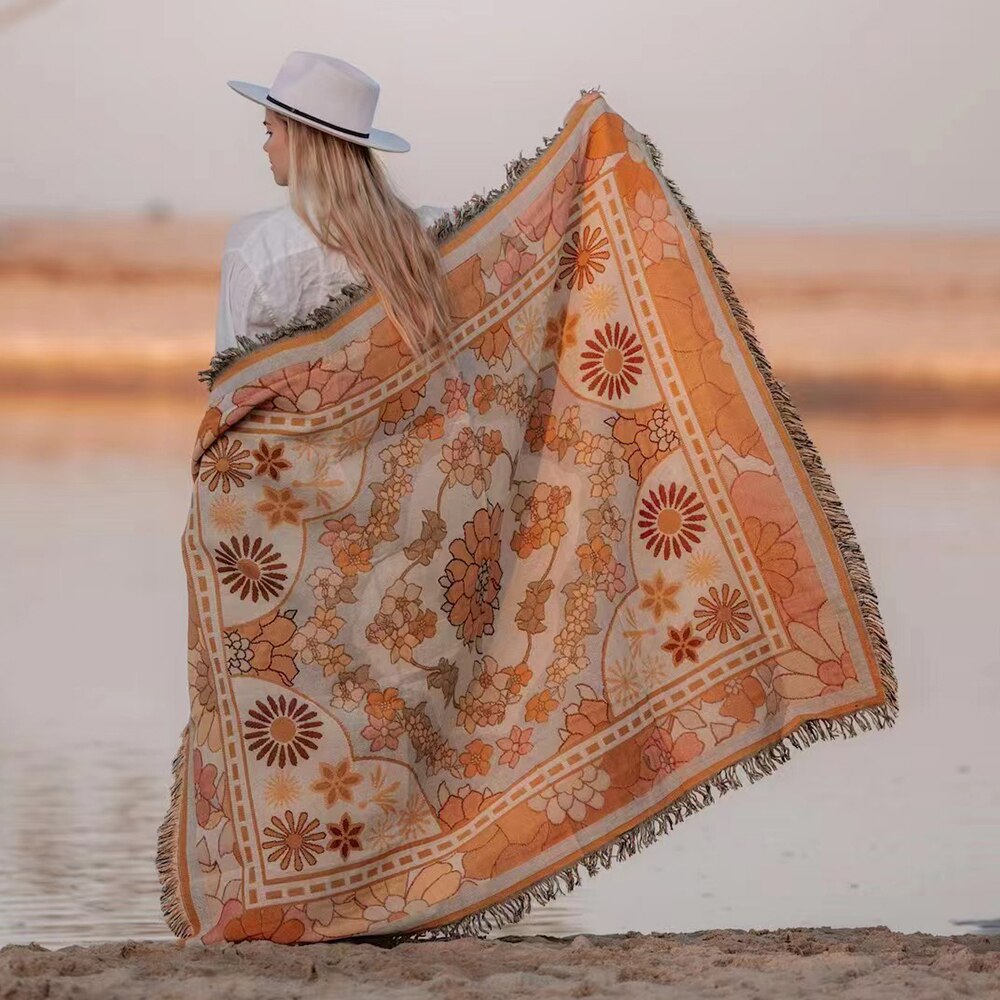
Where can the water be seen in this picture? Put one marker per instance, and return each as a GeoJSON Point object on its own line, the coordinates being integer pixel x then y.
{"type": "Point", "coordinates": [895, 827]}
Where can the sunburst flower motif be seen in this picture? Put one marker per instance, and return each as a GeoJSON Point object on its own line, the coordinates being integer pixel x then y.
{"type": "Point", "coordinates": [228, 513]}
{"type": "Point", "coordinates": [352, 438]}
{"type": "Point", "coordinates": [584, 256]}
{"type": "Point", "coordinates": [226, 462]}
{"type": "Point", "coordinates": [528, 326]}
{"type": "Point", "coordinates": [703, 568]}
{"type": "Point", "coordinates": [250, 568]}
{"type": "Point", "coordinates": [282, 730]}
{"type": "Point", "coordinates": [726, 615]}
{"type": "Point", "coordinates": [623, 681]}
{"type": "Point", "coordinates": [600, 301]}
{"type": "Point", "coordinates": [281, 789]}
{"type": "Point", "coordinates": [293, 841]}
{"type": "Point", "coordinates": [611, 361]}
{"type": "Point", "coordinates": [670, 520]}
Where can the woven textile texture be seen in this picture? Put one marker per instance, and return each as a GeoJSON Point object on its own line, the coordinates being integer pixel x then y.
{"type": "Point", "coordinates": [465, 623]}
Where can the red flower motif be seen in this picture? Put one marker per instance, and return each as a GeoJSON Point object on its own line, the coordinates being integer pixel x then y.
{"type": "Point", "coordinates": [670, 520]}
{"type": "Point", "coordinates": [250, 568]}
{"type": "Point", "coordinates": [281, 730]}
{"type": "Point", "coordinates": [612, 361]}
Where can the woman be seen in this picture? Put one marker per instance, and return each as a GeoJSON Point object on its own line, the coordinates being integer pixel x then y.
{"type": "Point", "coordinates": [457, 636]}
{"type": "Point", "coordinates": [344, 223]}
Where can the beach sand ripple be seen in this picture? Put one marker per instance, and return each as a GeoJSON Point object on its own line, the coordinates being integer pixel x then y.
{"type": "Point", "coordinates": [861, 963]}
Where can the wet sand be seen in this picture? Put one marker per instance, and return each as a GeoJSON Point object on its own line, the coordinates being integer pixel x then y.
{"type": "Point", "coordinates": [864, 962]}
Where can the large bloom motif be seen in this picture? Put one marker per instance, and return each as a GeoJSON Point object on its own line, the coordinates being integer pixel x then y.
{"type": "Point", "coordinates": [670, 520]}
{"type": "Point", "coordinates": [611, 361]}
{"type": "Point", "coordinates": [471, 579]}
{"type": "Point", "coordinates": [664, 754]}
{"type": "Point", "coordinates": [265, 923]}
{"type": "Point", "coordinates": [775, 556]}
{"type": "Point", "coordinates": [204, 706]}
{"type": "Point", "coordinates": [282, 730]}
{"type": "Point", "coordinates": [264, 647]}
{"type": "Point", "coordinates": [569, 798]}
{"type": "Point", "coordinates": [741, 696]}
{"type": "Point", "coordinates": [584, 718]}
{"type": "Point", "coordinates": [649, 435]}
{"type": "Point", "coordinates": [305, 387]}
{"type": "Point", "coordinates": [714, 391]}
{"type": "Point", "coordinates": [409, 894]}
{"type": "Point", "coordinates": [208, 807]}
{"type": "Point", "coordinates": [513, 265]}
{"type": "Point", "coordinates": [821, 663]}
{"type": "Point", "coordinates": [250, 568]}
{"type": "Point", "coordinates": [494, 344]}
{"type": "Point", "coordinates": [655, 235]}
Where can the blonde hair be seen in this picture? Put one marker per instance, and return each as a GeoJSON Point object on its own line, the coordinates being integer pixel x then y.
{"type": "Point", "coordinates": [342, 192]}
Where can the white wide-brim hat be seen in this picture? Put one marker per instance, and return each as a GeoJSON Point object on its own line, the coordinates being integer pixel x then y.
{"type": "Point", "coordinates": [327, 93]}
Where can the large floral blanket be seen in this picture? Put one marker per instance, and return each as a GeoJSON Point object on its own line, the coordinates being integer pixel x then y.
{"type": "Point", "coordinates": [461, 623]}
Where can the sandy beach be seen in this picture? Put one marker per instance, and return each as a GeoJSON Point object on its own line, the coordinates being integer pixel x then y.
{"type": "Point", "coordinates": [863, 962]}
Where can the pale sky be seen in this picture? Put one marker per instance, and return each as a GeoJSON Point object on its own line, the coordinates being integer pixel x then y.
{"type": "Point", "coordinates": [784, 112]}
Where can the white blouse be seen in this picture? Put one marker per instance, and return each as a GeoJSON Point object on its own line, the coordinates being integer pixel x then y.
{"type": "Point", "coordinates": [275, 271]}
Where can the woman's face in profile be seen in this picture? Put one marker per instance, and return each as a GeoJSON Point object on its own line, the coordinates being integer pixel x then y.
{"type": "Point", "coordinates": [276, 146]}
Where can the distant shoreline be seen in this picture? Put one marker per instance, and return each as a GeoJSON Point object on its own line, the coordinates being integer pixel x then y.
{"type": "Point", "coordinates": [139, 376]}
{"type": "Point", "coordinates": [854, 322]}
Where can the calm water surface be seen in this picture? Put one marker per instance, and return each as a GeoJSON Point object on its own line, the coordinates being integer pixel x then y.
{"type": "Point", "coordinates": [895, 827]}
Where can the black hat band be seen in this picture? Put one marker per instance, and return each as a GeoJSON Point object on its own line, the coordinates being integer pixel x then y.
{"type": "Point", "coordinates": [319, 121]}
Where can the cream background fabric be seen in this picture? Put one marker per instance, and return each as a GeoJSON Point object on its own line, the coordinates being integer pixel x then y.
{"type": "Point", "coordinates": [275, 271]}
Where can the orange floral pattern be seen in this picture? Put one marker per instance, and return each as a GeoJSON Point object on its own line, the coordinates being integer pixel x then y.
{"type": "Point", "coordinates": [454, 622]}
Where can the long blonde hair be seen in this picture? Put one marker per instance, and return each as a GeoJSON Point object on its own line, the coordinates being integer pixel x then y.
{"type": "Point", "coordinates": [342, 192]}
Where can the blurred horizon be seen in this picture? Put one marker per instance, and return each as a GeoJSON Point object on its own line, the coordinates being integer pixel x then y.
{"type": "Point", "coordinates": [879, 322]}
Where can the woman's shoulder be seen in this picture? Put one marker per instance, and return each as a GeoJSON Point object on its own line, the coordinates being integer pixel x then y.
{"type": "Point", "coordinates": [431, 213]}
{"type": "Point", "coordinates": [275, 245]}
{"type": "Point", "coordinates": [269, 234]}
